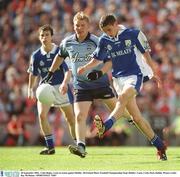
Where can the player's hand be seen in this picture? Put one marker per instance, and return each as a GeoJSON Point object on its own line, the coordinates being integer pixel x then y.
{"type": "Point", "coordinates": [47, 78]}
{"type": "Point", "coordinates": [63, 88]}
{"type": "Point", "coordinates": [80, 70]}
{"type": "Point", "coordinates": [158, 81]}
{"type": "Point", "coordinates": [31, 94]}
{"type": "Point", "coordinates": [94, 75]}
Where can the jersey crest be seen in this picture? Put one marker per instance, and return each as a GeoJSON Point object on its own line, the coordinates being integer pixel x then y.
{"type": "Point", "coordinates": [128, 43]}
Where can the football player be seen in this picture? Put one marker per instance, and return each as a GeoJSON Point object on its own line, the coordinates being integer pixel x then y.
{"type": "Point", "coordinates": [126, 48]}
{"type": "Point", "coordinates": [40, 61]}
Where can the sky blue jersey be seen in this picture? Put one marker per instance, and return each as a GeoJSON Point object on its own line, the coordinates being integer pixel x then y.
{"type": "Point", "coordinates": [79, 54]}
{"type": "Point", "coordinates": [41, 62]}
{"type": "Point", "coordinates": [125, 51]}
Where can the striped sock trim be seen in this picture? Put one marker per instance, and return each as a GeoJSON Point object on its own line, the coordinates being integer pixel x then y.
{"type": "Point", "coordinates": [47, 137]}
{"type": "Point", "coordinates": [154, 139]}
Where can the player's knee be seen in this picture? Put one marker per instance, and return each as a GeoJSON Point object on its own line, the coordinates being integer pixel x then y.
{"type": "Point", "coordinates": [126, 94]}
{"type": "Point", "coordinates": [80, 117]}
{"type": "Point", "coordinates": [122, 98]}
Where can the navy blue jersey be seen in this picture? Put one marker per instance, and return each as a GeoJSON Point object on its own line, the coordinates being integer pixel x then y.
{"type": "Point", "coordinates": [125, 51]}
{"type": "Point", "coordinates": [41, 62]}
{"type": "Point", "coordinates": [79, 54]}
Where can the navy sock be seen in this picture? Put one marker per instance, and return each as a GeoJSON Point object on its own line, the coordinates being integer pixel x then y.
{"type": "Point", "coordinates": [109, 123]}
{"type": "Point", "coordinates": [157, 142]}
{"type": "Point", "coordinates": [49, 141]}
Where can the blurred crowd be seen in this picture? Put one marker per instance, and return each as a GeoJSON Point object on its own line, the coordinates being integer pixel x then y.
{"type": "Point", "coordinates": [19, 22]}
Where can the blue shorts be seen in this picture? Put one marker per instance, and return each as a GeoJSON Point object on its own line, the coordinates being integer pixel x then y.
{"type": "Point", "coordinates": [91, 94]}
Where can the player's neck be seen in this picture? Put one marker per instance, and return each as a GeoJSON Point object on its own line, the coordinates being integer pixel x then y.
{"type": "Point", "coordinates": [117, 30]}
{"type": "Point", "coordinates": [48, 47]}
{"type": "Point", "coordinates": [82, 38]}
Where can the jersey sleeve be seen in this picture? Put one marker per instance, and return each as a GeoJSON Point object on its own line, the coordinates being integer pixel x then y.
{"type": "Point", "coordinates": [62, 50]}
{"type": "Point", "coordinates": [142, 43]}
{"type": "Point", "coordinates": [33, 68]}
{"type": "Point", "coordinates": [101, 53]}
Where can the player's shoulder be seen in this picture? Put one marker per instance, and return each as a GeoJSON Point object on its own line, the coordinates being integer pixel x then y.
{"type": "Point", "coordinates": [104, 38]}
{"type": "Point", "coordinates": [69, 38]}
{"type": "Point", "coordinates": [133, 32]}
{"type": "Point", "coordinates": [36, 53]}
{"type": "Point", "coordinates": [93, 37]}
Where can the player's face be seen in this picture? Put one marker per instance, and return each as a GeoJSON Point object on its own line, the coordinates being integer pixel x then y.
{"type": "Point", "coordinates": [111, 30]}
{"type": "Point", "coordinates": [45, 37]}
{"type": "Point", "coordinates": [81, 28]}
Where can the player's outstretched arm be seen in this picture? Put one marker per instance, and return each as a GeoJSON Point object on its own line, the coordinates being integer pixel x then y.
{"type": "Point", "coordinates": [107, 66]}
{"type": "Point", "coordinates": [96, 74]}
{"type": "Point", "coordinates": [152, 64]}
{"type": "Point", "coordinates": [93, 63]}
{"type": "Point", "coordinates": [56, 63]}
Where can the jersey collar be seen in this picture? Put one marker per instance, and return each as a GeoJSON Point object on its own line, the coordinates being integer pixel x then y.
{"type": "Point", "coordinates": [87, 37]}
{"type": "Point", "coordinates": [43, 52]}
{"type": "Point", "coordinates": [121, 29]}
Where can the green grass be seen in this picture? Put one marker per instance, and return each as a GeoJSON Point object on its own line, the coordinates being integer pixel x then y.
{"type": "Point", "coordinates": [98, 159]}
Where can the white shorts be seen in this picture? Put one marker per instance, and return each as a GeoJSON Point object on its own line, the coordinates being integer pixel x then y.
{"type": "Point", "coordinates": [61, 100]}
{"type": "Point", "coordinates": [122, 83]}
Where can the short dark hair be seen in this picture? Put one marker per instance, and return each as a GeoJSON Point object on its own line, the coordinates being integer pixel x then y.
{"type": "Point", "coordinates": [46, 27]}
{"type": "Point", "coordinates": [108, 19]}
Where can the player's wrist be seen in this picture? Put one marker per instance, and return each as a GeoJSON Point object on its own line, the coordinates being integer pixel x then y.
{"type": "Point", "coordinates": [50, 73]}
{"type": "Point", "coordinates": [94, 75]}
{"type": "Point", "coordinates": [64, 82]}
{"type": "Point", "coordinates": [83, 68]}
{"type": "Point", "coordinates": [102, 72]}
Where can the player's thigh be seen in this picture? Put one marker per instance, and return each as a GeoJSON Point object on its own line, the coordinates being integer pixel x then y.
{"type": "Point", "coordinates": [42, 110]}
{"type": "Point", "coordinates": [81, 109]}
{"type": "Point", "coordinates": [68, 112]}
{"type": "Point", "coordinates": [60, 99]}
{"type": "Point", "coordinates": [133, 109]}
{"type": "Point", "coordinates": [128, 86]}
{"type": "Point", "coordinates": [110, 103]}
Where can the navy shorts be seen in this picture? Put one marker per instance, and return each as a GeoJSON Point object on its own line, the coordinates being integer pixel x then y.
{"type": "Point", "coordinates": [146, 78]}
{"type": "Point", "coordinates": [91, 94]}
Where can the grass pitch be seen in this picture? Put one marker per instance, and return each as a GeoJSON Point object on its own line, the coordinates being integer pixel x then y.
{"type": "Point", "coordinates": [98, 159]}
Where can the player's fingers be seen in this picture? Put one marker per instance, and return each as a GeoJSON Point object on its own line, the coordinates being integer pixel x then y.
{"type": "Point", "coordinates": [63, 90]}
{"type": "Point", "coordinates": [80, 70]}
{"type": "Point", "coordinates": [159, 83]}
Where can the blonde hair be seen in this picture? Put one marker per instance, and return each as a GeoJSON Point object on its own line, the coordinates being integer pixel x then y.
{"type": "Point", "coordinates": [81, 16]}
